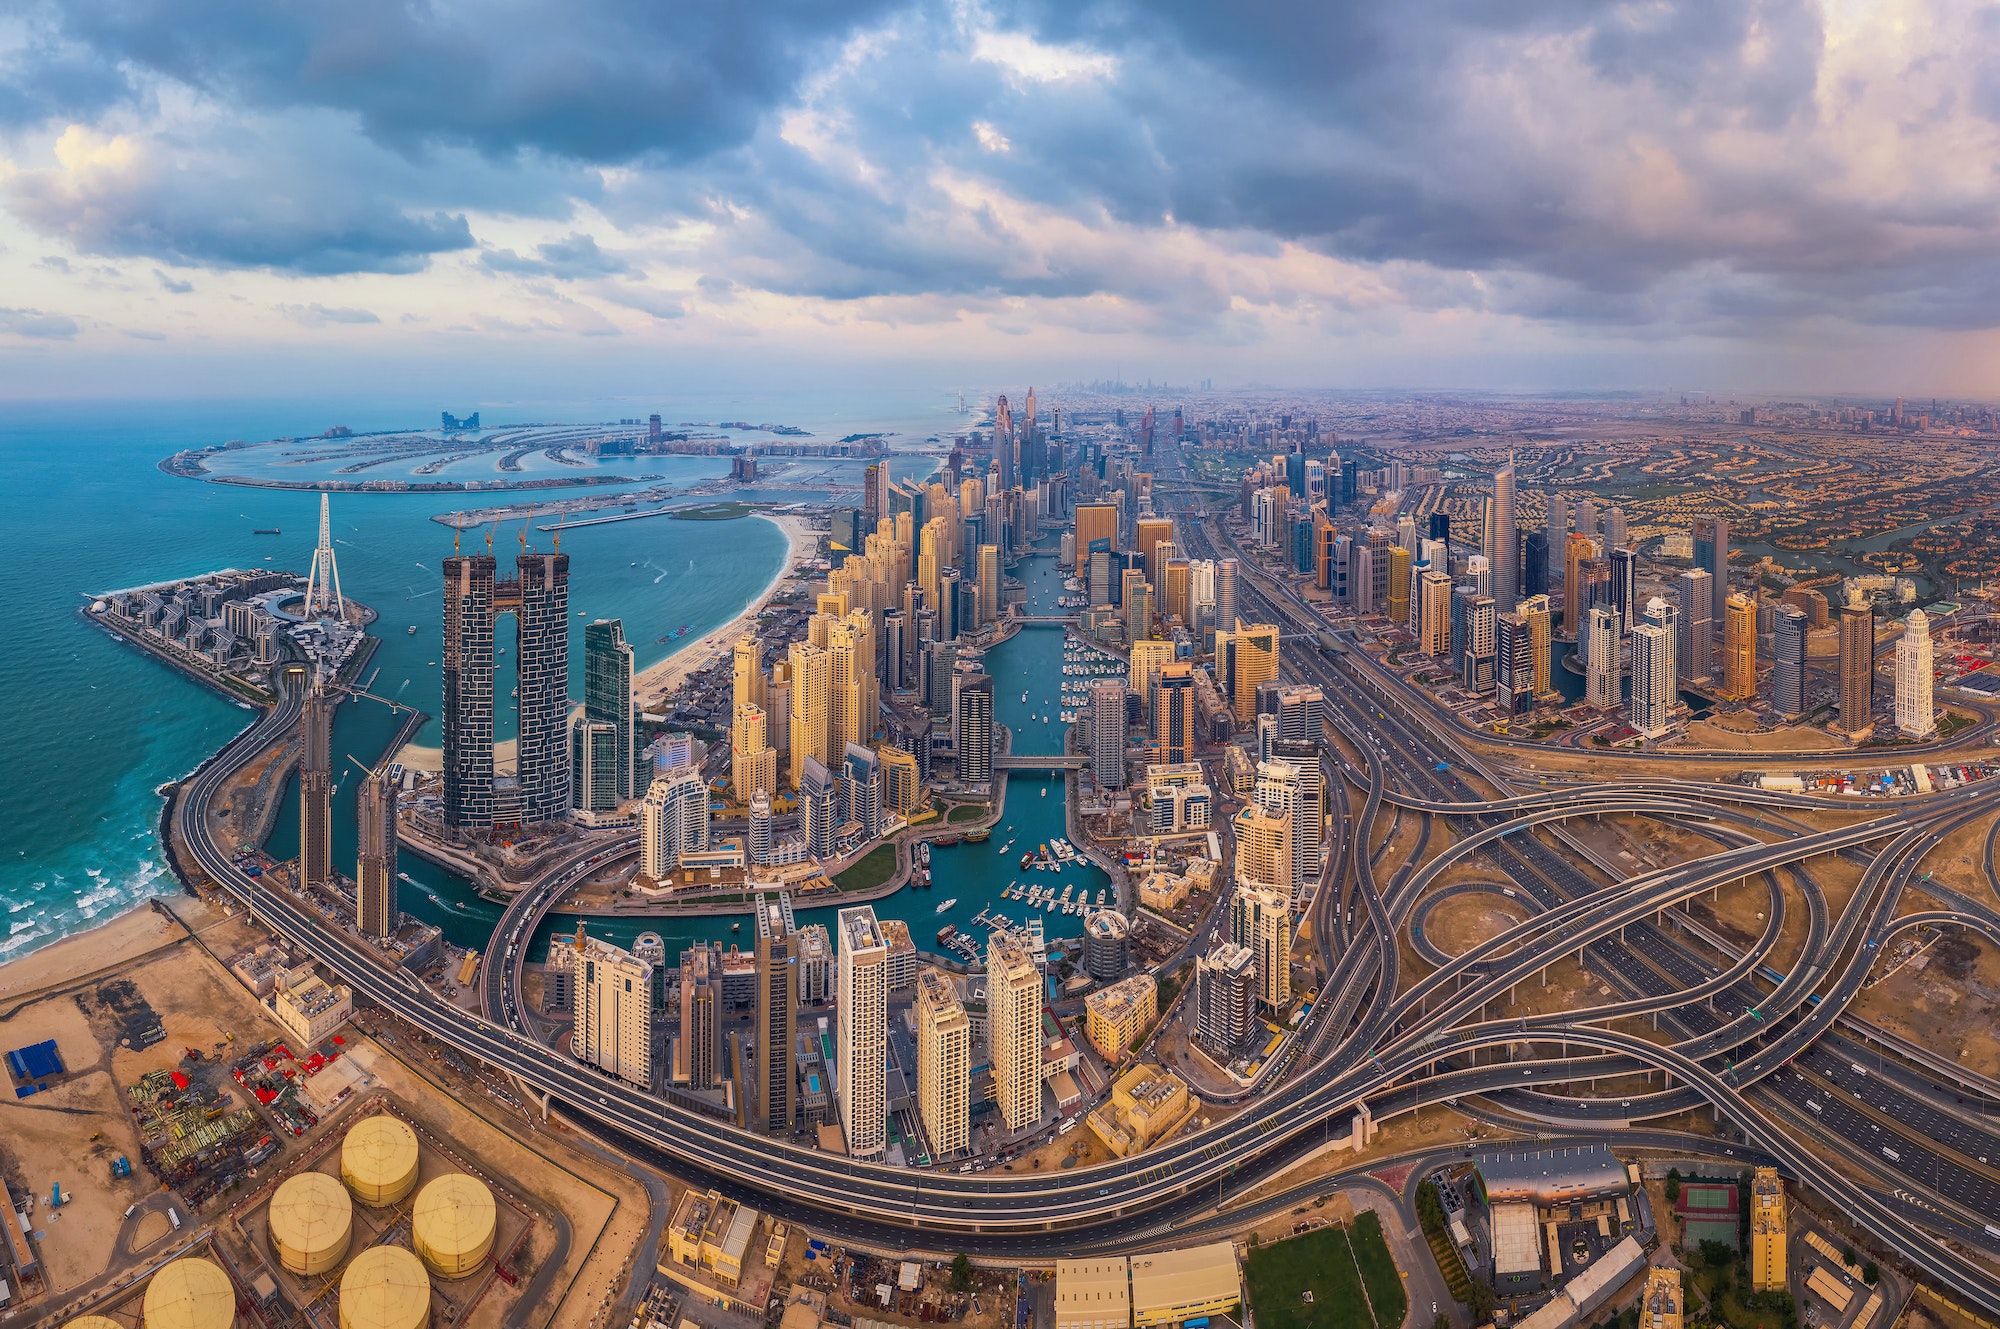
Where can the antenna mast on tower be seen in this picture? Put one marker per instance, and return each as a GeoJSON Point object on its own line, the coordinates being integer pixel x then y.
{"type": "Point", "coordinates": [323, 582]}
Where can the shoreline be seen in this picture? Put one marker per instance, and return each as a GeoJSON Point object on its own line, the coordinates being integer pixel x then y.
{"type": "Point", "coordinates": [662, 676]}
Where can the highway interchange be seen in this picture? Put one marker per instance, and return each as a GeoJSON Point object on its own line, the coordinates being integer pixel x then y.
{"type": "Point", "coordinates": [1772, 1058]}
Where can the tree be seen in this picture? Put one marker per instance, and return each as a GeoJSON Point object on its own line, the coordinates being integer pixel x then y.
{"type": "Point", "coordinates": [1870, 1273]}
{"type": "Point", "coordinates": [961, 1273]}
{"type": "Point", "coordinates": [1847, 1255]}
{"type": "Point", "coordinates": [1441, 1322]}
{"type": "Point", "coordinates": [1673, 1186]}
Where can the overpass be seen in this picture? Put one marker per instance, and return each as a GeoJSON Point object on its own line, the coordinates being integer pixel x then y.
{"type": "Point", "coordinates": [1049, 762]}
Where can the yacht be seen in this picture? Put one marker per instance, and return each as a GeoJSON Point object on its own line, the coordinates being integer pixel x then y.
{"type": "Point", "coordinates": [947, 904]}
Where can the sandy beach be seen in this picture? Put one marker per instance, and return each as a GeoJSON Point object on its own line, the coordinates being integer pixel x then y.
{"type": "Point", "coordinates": [654, 682]}
{"type": "Point", "coordinates": [135, 932]}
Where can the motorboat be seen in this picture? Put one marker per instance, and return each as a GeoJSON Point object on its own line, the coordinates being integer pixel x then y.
{"type": "Point", "coordinates": [947, 904]}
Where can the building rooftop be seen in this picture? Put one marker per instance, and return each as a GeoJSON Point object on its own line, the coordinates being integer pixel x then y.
{"type": "Point", "coordinates": [1547, 1176]}
{"type": "Point", "coordinates": [1120, 999]}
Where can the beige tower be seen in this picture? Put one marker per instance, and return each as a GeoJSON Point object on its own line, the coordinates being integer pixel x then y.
{"type": "Point", "coordinates": [1014, 1030]}
{"type": "Point", "coordinates": [753, 762]}
{"type": "Point", "coordinates": [1256, 652]}
{"type": "Point", "coordinates": [944, 1065]}
{"type": "Point", "coordinates": [1739, 648]}
{"type": "Point", "coordinates": [614, 1012]}
{"type": "Point", "coordinates": [811, 706]}
{"type": "Point", "coordinates": [989, 583]}
{"type": "Point", "coordinates": [749, 672]}
{"type": "Point", "coordinates": [1260, 920]}
{"type": "Point", "coordinates": [1857, 668]}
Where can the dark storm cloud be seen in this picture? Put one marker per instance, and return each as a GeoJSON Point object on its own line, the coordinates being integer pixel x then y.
{"type": "Point", "coordinates": [599, 82]}
{"type": "Point", "coordinates": [1686, 166]}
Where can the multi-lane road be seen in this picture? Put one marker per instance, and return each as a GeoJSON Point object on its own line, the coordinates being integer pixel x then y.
{"type": "Point", "coordinates": [1373, 1036]}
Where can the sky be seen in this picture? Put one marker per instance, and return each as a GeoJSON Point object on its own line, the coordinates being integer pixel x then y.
{"type": "Point", "coordinates": [1725, 195]}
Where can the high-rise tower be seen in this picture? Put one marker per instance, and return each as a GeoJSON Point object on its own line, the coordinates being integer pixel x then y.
{"type": "Point", "coordinates": [1857, 668]}
{"type": "Point", "coordinates": [1505, 553]}
{"type": "Point", "coordinates": [315, 790]}
{"type": "Point", "coordinates": [538, 597]}
{"type": "Point", "coordinates": [777, 1008]}
{"type": "Point", "coordinates": [375, 866]}
{"type": "Point", "coordinates": [323, 582]}
{"type": "Point", "coordinates": [607, 700]}
{"type": "Point", "coordinates": [1915, 707]}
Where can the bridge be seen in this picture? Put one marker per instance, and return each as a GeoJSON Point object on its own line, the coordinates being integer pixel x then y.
{"type": "Point", "coordinates": [1045, 620]}
{"type": "Point", "coordinates": [1050, 762]}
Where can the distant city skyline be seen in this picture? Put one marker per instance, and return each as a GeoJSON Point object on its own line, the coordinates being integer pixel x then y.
{"type": "Point", "coordinates": [1317, 196]}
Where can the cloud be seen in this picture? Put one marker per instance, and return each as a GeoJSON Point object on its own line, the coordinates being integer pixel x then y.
{"type": "Point", "coordinates": [319, 316]}
{"type": "Point", "coordinates": [567, 259]}
{"type": "Point", "coordinates": [241, 198]}
{"type": "Point", "coordinates": [36, 324]}
{"type": "Point", "coordinates": [1182, 170]}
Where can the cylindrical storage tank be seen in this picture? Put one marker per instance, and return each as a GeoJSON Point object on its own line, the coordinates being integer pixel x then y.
{"type": "Point", "coordinates": [190, 1294]}
{"type": "Point", "coordinates": [311, 1221]}
{"type": "Point", "coordinates": [452, 1225]}
{"type": "Point", "coordinates": [92, 1322]}
{"type": "Point", "coordinates": [378, 1160]}
{"type": "Point", "coordinates": [385, 1288]}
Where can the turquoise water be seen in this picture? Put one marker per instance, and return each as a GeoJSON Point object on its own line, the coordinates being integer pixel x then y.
{"type": "Point", "coordinates": [92, 726]}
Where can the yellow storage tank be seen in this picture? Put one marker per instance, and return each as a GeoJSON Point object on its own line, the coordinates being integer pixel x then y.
{"type": "Point", "coordinates": [311, 1222]}
{"type": "Point", "coordinates": [452, 1224]}
{"type": "Point", "coordinates": [92, 1322]}
{"type": "Point", "coordinates": [378, 1160]}
{"type": "Point", "coordinates": [190, 1294]}
{"type": "Point", "coordinates": [385, 1288]}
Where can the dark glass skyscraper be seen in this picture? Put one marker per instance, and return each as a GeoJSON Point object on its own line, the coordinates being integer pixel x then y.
{"type": "Point", "coordinates": [538, 597]}
{"type": "Point", "coordinates": [607, 700]}
{"type": "Point", "coordinates": [315, 790]}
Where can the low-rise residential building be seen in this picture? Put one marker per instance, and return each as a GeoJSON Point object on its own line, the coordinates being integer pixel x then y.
{"type": "Point", "coordinates": [1147, 1104]}
{"type": "Point", "coordinates": [308, 1007]}
{"type": "Point", "coordinates": [711, 1235]}
{"type": "Point", "coordinates": [1116, 1016]}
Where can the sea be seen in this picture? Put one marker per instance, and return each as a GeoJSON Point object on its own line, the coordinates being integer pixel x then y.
{"type": "Point", "coordinates": [93, 726]}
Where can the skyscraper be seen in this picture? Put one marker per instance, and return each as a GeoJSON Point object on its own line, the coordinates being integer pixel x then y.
{"type": "Point", "coordinates": [818, 803]}
{"type": "Point", "coordinates": [1094, 522]}
{"type": "Point", "coordinates": [1625, 587]}
{"type": "Point", "coordinates": [1260, 921]}
{"type": "Point", "coordinates": [1614, 527]}
{"type": "Point", "coordinates": [1541, 636]}
{"type": "Point", "coordinates": [1739, 648]}
{"type": "Point", "coordinates": [1558, 533]}
{"type": "Point", "coordinates": [1253, 661]}
{"type": "Point", "coordinates": [1173, 712]}
{"type": "Point", "coordinates": [1506, 548]}
{"type": "Point", "coordinates": [1434, 613]}
{"type": "Point", "coordinates": [315, 790]}
{"type": "Point", "coordinates": [1107, 733]}
{"type": "Point", "coordinates": [1601, 676]}
{"type": "Point", "coordinates": [1225, 997]}
{"type": "Point", "coordinates": [1014, 1029]}
{"type": "Point", "coordinates": [375, 864]}
{"type": "Point", "coordinates": [944, 1065]}
{"type": "Point", "coordinates": [1711, 553]}
{"type": "Point", "coordinates": [1515, 671]}
{"type": "Point", "coordinates": [1653, 679]}
{"type": "Point", "coordinates": [1482, 645]}
{"type": "Point", "coordinates": [1916, 714]}
{"type": "Point", "coordinates": [812, 704]}
{"type": "Point", "coordinates": [860, 1076]}
{"type": "Point", "coordinates": [538, 597]}
{"type": "Point", "coordinates": [1695, 651]}
{"type": "Point", "coordinates": [1857, 668]}
{"type": "Point", "coordinates": [1788, 662]}
{"type": "Point", "coordinates": [989, 583]}
{"type": "Point", "coordinates": [972, 727]}
{"type": "Point", "coordinates": [468, 692]}
{"type": "Point", "coordinates": [698, 1054]}
{"type": "Point", "coordinates": [777, 1009]}
{"type": "Point", "coordinates": [1580, 550]}
{"type": "Point", "coordinates": [753, 762]}
{"type": "Point", "coordinates": [542, 742]}
{"type": "Point", "coordinates": [673, 821]}
{"type": "Point", "coordinates": [607, 700]}
{"type": "Point", "coordinates": [614, 1012]}
{"type": "Point", "coordinates": [1399, 584]}
{"type": "Point", "coordinates": [861, 788]}
{"type": "Point", "coordinates": [1225, 593]}
{"type": "Point", "coordinates": [1279, 791]}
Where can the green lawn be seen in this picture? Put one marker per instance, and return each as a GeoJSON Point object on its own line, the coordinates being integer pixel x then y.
{"type": "Point", "coordinates": [969, 812]}
{"type": "Point", "coordinates": [876, 868]}
{"type": "Point", "coordinates": [1378, 1270]}
{"type": "Point", "coordinates": [1322, 1263]}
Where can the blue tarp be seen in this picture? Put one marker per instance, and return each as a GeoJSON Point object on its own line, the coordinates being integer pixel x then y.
{"type": "Point", "coordinates": [36, 1061]}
